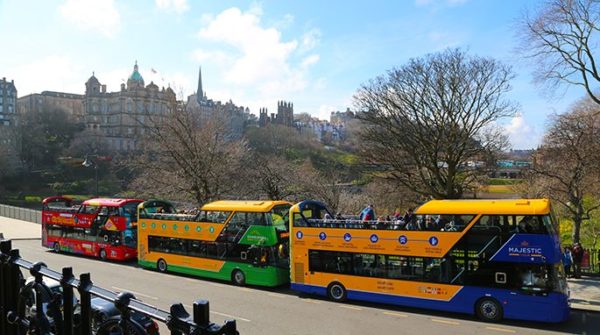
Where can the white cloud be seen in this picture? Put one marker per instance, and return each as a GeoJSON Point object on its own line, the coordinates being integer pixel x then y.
{"type": "Point", "coordinates": [259, 58]}
{"type": "Point", "coordinates": [51, 73]}
{"type": "Point", "coordinates": [520, 134]}
{"type": "Point", "coordinates": [92, 15]}
{"type": "Point", "coordinates": [177, 6]}
{"type": "Point", "coordinates": [310, 39]}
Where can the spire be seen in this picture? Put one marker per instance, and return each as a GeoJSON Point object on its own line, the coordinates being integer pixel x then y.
{"type": "Point", "coordinates": [200, 93]}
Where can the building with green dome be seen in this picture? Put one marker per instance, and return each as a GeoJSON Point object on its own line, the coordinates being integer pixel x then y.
{"type": "Point", "coordinates": [119, 119]}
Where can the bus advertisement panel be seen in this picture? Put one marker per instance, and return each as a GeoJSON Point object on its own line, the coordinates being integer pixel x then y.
{"type": "Point", "coordinates": [101, 227]}
{"type": "Point", "coordinates": [496, 259]}
{"type": "Point", "coordinates": [242, 241]}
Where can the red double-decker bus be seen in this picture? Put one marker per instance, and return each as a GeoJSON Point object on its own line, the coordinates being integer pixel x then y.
{"type": "Point", "coordinates": [102, 227]}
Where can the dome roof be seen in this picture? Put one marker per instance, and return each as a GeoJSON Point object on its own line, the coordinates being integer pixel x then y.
{"type": "Point", "coordinates": [93, 80]}
{"type": "Point", "coordinates": [136, 76]}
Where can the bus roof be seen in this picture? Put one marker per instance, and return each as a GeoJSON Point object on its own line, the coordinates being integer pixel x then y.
{"type": "Point", "coordinates": [495, 206]}
{"type": "Point", "coordinates": [243, 205]}
{"type": "Point", "coordinates": [56, 198]}
{"type": "Point", "coordinates": [109, 202]}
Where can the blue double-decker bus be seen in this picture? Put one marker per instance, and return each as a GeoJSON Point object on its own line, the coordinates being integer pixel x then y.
{"type": "Point", "coordinates": [492, 258]}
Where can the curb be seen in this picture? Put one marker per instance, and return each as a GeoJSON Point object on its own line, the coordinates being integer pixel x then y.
{"type": "Point", "coordinates": [585, 307]}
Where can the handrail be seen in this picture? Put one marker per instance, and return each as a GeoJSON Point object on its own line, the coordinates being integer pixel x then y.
{"type": "Point", "coordinates": [14, 322]}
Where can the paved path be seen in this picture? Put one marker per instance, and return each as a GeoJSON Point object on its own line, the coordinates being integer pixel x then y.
{"type": "Point", "coordinates": [585, 293]}
{"type": "Point", "coordinates": [19, 230]}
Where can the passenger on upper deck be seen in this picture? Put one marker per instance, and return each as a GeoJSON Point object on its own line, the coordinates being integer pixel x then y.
{"type": "Point", "coordinates": [367, 214]}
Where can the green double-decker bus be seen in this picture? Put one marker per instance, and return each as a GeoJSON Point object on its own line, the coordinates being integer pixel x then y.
{"type": "Point", "coordinates": [245, 242]}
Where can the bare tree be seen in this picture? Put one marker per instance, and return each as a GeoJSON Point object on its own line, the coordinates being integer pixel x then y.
{"type": "Point", "coordinates": [426, 120]}
{"type": "Point", "coordinates": [561, 39]}
{"type": "Point", "coordinates": [566, 165]}
{"type": "Point", "coordinates": [185, 158]}
{"type": "Point", "coordinates": [271, 176]}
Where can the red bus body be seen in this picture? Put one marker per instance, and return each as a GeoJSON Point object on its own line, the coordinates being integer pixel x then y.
{"type": "Point", "coordinates": [100, 227]}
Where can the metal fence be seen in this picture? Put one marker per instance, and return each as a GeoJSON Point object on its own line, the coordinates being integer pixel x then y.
{"type": "Point", "coordinates": [30, 307]}
{"type": "Point", "coordinates": [20, 213]}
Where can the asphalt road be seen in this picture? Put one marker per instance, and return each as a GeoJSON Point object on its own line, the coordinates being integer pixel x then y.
{"type": "Point", "coordinates": [282, 311]}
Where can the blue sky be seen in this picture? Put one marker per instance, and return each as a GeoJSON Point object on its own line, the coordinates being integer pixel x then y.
{"type": "Point", "coordinates": [313, 53]}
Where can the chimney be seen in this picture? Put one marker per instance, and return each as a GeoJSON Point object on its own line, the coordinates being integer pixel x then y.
{"type": "Point", "coordinates": [104, 88]}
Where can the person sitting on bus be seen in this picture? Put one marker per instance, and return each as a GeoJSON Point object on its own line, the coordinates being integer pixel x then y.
{"type": "Point", "coordinates": [367, 214]}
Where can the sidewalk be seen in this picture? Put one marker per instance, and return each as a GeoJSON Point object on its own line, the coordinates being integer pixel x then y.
{"type": "Point", "coordinates": [13, 229]}
{"type": "Point", "coordinates": [585, 293]}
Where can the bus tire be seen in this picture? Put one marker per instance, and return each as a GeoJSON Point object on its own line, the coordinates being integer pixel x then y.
{"type": "Point", "coordinates": [238, 277]}
{"type": "Point", "coordinates": [56, 247]}
{"type": "Point", "coordinates": [102, 254]}
{"type": "Point", "coordinates": [488, 310]}
{"type": "Point", "coordinates": [336, 292]}
{"type": "Point", "coordinates": [161, 265]}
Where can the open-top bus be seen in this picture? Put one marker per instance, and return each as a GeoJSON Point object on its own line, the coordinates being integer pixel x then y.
{"type": "Point", "coordinates": [242, 241]}
{"type": "Point", "coordinates": [101, 227]}
{"type": "Point", "coordinates": [493, 258]}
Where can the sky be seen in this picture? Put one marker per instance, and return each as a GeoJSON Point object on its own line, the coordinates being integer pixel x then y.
{"type": "Point", "coordinates": [315, 54]}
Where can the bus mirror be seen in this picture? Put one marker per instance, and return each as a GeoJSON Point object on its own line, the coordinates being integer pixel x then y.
{"type": "Point", "coordinates": [501, 277]}
{"type": "Point", "coordinates": [244, 255]}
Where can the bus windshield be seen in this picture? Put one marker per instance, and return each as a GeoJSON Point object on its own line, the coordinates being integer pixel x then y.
{"type": "Point", "coordinates": [279, 217]}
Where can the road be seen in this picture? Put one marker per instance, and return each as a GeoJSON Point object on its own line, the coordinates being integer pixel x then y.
{"type": "Point", "coordinates": [282, 311]}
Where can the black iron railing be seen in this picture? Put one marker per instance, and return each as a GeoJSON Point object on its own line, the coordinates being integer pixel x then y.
{"type": "Point", "coordinates": [33, 308]}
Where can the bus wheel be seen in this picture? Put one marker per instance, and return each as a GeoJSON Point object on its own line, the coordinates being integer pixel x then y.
{"type": "Point", "coordinates": [102, 254]}
{"type": "Point", "coordinates": [56, 247]}
{"type": "Point", "coordinates": [161, 265]}
{"type": "Point", "coordinates": [488, 310]}
{"type": "Point", "coordinates": [238, 278]}
{"type": "Point", "coordinates": [336, 292]}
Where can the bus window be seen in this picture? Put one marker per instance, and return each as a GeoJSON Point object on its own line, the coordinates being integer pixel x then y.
{"type": "Point", "coordinates": [531, 224]}
{"type": "Point", "coordinates": [257, 219]}
{"type": "Point", "coordinates": [88, 209]}
{"type": "Point", "coordinates": [213, 216]}
{"type": "Point", "coordinates": [279, 216]}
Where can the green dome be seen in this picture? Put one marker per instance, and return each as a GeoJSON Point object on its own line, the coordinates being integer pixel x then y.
{"type": "Point", "coordinates": [136, 76]}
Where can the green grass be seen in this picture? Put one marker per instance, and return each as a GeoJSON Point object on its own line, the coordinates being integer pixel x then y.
{"type": "Point", "coordinates": [504, 181]}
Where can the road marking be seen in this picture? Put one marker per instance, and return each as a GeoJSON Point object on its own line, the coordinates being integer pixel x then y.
{"type": "Point", "coordinates": [276, 295]}
{"type": "Point", "coordinates": [446, 322]}
{"type": "Point", "coordinates": [188, 307]}
{"type": "Point", "coordinates": [396, 314]}
{"type": "Point", "coordinates": [230, 316]}
{"type": "Point", "coordinates": [351, 307]}
{"type": "Point", "coordinates": [134, 292]}
{"type": "Point", "coordinates": [501, 329]}
{"type": "Point", "coordinates": [312, 301]}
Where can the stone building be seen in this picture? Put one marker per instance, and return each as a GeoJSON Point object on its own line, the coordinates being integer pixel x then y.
{"type": "Point", "coordinates": [69, 102]}
{"type": "Point", "coordinates": [236, 117]}
{"type": "Point", "coordinates": [119, 118]}
{"type": "Point", "coordinates": [284, 116]}
{"type": "Point", "coordinates": [9, 121]}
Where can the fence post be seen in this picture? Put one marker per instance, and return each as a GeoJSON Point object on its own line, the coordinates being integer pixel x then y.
{"type": "Point", "coordinates": [5, 247]}
{"type": "Point", "coordinates": [85, 299]}
{"type": "Point", "coordinates": [65, 283]}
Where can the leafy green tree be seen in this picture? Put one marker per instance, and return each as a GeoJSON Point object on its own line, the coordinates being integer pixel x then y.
{"type": "Point", "coordinates": [46, 133]}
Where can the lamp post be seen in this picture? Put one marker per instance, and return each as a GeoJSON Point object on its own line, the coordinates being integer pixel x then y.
{"type": "Point", "coordinates": [89, 162]}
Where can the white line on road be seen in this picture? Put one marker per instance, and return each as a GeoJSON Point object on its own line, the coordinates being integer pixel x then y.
{"type": "Point", "coordinates": [134, 292]}
{"type": "Point", "coordinates": [351, 307]}
{"type": "Point", "coordinates": [396, 314]}
{"type": "Point", "coordinates": [312, 301]}
{"type": "Point", "coordinates": [230, 316]}
{"type": "Point", "coordinates": [276, 295]}
{"type": "Point", "coordinates": [501, 329]}
{"type": "Point", "coordinates": [221, 314]}
{"type": "Point", "coordinates": [445, 321]}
